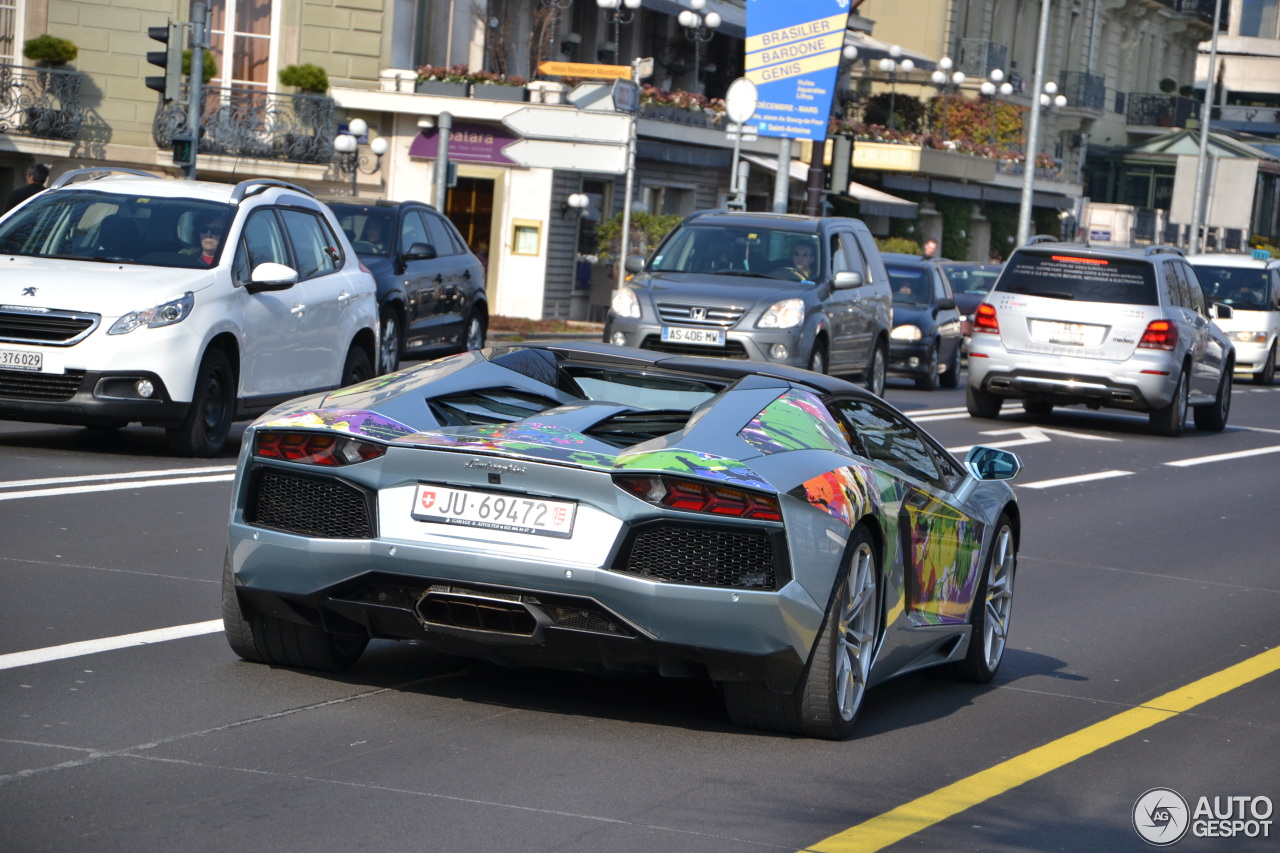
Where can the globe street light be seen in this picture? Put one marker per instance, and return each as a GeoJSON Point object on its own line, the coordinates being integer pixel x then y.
{"type": "Point", "coordinates": [890, 64]}
{"type": "Point", "coordinates": [620, 12]}
{"type": "Point", "coordinates": [349, 160]}
{"type": "Point", "coordinates": [699, 27]}
{"type": "Point", "coordinates": [944, 78]}
{"type": "Point", "coordinates": [993, 87]}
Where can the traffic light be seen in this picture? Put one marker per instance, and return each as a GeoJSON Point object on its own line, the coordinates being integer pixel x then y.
{"type": "Point", "coordinates": [184, 150]}
{"type": "Point", "coordinates": [170, 59]}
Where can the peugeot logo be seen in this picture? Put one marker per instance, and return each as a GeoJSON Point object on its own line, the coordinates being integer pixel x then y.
{"type": "Point", "coordinates": [697, 313]}
{"type": "Point", "coordinates": [28, 291]}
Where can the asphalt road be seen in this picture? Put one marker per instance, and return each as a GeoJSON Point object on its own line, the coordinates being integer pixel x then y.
{"type": "Point", "coordinates": [1143, 655]}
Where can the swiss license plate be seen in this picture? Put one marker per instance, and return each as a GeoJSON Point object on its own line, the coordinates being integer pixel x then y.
{"type": "Point", "coordinates": [494, 511]}
{"type": "Point", "coordinates": [681, 335]}
{"type": "Point", "coordinates": [12, 359]}
{"type": "Point", "coordinates": [1061, 333]}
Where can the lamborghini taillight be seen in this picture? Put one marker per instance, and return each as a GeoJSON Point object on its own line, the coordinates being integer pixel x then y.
{"type": "Point", "coordinates": [314, 448]}
{"type": "Point", "coordinates": [698, 496]}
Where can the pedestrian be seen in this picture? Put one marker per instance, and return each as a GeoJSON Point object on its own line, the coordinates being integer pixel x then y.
{"type": "Point", "coordinates": [930, 249]}
{"type": "Point", "coordinates": [37, 174]}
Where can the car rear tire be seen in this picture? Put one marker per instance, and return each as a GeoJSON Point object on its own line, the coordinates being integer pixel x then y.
{"type": "Point", "coordinates": [1169, 420]}
{"type": "Point", "coordinates": [1267, 375]}
{"type": "Point", "coordinates": [357, 368]}
{"type": "Point", "coordinates": [1213, 417]}
{"type": "Point", "coordinates": [876, 370]}
{"type": "Point", "coordinates": [818, 358]}
{"type": "Point", "coordinates": [982, 404]}
{"type": "Point", "coordinates": [992, 609]}
{"type": "Point", "coordinates": [203, 431]}
{"type": "Point", "coordinates": [265, 639]}
{"type": "Point", "coordinates": [392, 344]}
{"type": "Point", "coordinates": [950, 377]}
{"type": "Point", "coordinates": [929, 380]}
{"type": "Point", "coordinates": [826, 702]}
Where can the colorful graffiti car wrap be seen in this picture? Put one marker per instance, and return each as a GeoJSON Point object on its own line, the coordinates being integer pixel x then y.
{"type": "Point", "coordinates": [797, 420]}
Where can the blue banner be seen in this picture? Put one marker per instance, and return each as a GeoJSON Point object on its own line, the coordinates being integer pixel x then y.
{"type": "Point", "coordinates": [793, 51]}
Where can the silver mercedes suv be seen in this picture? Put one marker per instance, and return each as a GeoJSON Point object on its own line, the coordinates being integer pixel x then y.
{"type": "Point", "coordinates": [1121, 328]}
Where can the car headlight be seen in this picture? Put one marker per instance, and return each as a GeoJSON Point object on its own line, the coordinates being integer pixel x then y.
{"type": "Point", "coordinates": [625, 303]}
{"type": "Point", "coordinates": [906, 332]}
{"type": "Point", "coordinates": [166, 314]}
{"type": "Point", "coordinates": [786, 314]}
{"type": "Point", "coordinates": [1249, 337]}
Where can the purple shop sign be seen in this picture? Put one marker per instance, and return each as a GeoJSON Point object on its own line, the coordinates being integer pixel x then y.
{"type": "Point", "coordinates": [476, 143]}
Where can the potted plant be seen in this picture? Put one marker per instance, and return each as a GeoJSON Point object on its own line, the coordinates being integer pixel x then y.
{"type": "Point", "coordinates": [309, 79]}
{"type": "Point", "coordinates": [50, 51]}
{"type": "Point", "coordinates": [497, 87]}
{"type": "Point", "coordinates": [1168, 85]}
{"type": "Point", "coordinates": [209, 65]}
{"type": "Point", "coordinates": [1186, 90]}
{"type": "Point", "coordinates": [452, 82]}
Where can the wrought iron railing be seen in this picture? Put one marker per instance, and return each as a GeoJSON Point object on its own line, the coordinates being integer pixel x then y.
{"type": "Point", "coordinates": [242, 122]}
{"type": "Point", "coordinates": [43, 102]}
{"type": "Point", "coordinates": [1153, 109]}
{"type": "Point", "coordinates": [1201, 9]}
{"type": "Point", "coordinates": [1085, 90]}
{"type": "Point", "coordinates": [977, 57]}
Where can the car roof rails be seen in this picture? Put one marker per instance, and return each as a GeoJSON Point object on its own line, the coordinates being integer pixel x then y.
{"type": "Point", "coordinates": [94, 173]}
{"type": "Point", "coordinates": [1163, 249]}
{"type": "Point", "coordinates": [253, 186]}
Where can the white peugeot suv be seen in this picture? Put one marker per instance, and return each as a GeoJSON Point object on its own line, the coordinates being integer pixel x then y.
{"type": "Point", "coordinates": [180, 304]}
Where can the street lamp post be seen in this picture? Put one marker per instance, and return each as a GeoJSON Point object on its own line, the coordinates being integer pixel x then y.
{"type": "Point", "coordinates": [993, 87]}
{"type": "Point", "coordinates": [1033, 133]}
{"type": "Point", "coordinates": [944, 78]}
{"type": "Point", "coordinates": [556, 7]}
{"type": "Point", "coordinates": [699, 27]}
{"type": "Point", "coordinates": [349, 160]}
{"type": "Point", "coordinates": [620, 12]}
{"type": "Point", "coordinates": [891, 64]}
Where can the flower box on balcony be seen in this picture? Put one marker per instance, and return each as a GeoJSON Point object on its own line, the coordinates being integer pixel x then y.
{"type": "Point", "coordinates": [498, 92]}
{"type": "Point", "coordinates": [440, 87]}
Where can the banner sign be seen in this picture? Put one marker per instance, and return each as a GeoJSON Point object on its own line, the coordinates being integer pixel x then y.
{"type": "Point", "coordinates": [474, 143]}
{"type": "Point", "coordinates": [793, 51]}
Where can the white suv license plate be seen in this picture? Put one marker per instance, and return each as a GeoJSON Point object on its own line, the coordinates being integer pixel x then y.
{"type": "Point", "coordinates": [12, 359]}
{"type": "Point", "coordinates": [494, 511]}
{"type": "Point", "coordinates": [681, 335]}
{"type": "Point", "coordinates": [1059, 333]}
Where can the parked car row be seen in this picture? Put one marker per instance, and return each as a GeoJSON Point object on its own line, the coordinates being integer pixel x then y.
{"type": "Point", "coordinates": [187, 305]}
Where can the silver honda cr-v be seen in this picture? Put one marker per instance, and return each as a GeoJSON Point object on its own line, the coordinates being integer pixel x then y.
{"type": "Point", "coordinates": [1118, 328]}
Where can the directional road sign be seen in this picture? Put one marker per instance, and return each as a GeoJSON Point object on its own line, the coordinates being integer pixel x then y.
{"type": "Point", "coordinates": [570, 125]}
{"type": "Point", "coordinates": [570, 156]}
{"type": "Point", "coordinates": [584, 69]}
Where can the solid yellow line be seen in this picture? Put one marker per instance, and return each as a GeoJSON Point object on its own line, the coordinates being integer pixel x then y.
{"type": "Point", "coordinates": [920, 814]}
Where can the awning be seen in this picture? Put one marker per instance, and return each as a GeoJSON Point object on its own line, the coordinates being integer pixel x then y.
{"type": "Point", "coordinates": [872, 48]}
{"type": "Point", "coordinates": [871, 201]}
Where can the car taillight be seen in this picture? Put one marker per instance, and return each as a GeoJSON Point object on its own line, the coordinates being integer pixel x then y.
{"type": "Point", "coordinates": [697, 496]}
{"type": "Point", "coordinates": [984, 319]}
{"type": "Point", "coordinates": [1160, 334]}
{"type": "Point", "coordinates": [314, 448]}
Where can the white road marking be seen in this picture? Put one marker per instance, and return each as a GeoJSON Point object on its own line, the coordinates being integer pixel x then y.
{"type": "Point", "coordinates": [107, 644]}
{"type": "Point", "coordinates": [127, 475]}
{"type": "Point", "coordinates": [1068, 481]}
{"type": "Point", "coordinates": [1223, 457]}
{"type": "Point", "coordinates": [114, 487]}
{"type": "Point", "coordinates": [1031, 435]}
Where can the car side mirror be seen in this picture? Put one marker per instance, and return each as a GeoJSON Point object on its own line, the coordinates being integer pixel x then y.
{"type": "Point", "coordinates": [946, 304]}
{"type": "Point", "coordinates": [987, 463]}
{"type": "Point", "coordinates": [271, 276]}
{"type": "Point", "coordinates": [421, 252]}
{"type": "Point", "coordinates": [634, 264]}
{"type": "Point", "coordinates": [847, 279]}
{"type": "Point", "coordinates": [1221, 311]}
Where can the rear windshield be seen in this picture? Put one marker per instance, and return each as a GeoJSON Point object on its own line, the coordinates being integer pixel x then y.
{"type": "Point", "coordinates": [1240, 287]}
{"type": "Point", "coordinates": [1079, 278]}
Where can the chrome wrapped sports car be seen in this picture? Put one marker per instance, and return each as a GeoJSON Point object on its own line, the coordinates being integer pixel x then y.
{"type": "Point", "coordinates": [785, 533]}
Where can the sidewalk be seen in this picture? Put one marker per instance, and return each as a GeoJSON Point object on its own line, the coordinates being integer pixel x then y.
{"type": "Point", "coordinates": [582, 331]}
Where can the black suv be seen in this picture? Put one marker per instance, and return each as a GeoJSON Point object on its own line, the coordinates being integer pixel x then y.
{"type": "Point", "coordinates": [771, 287]}
{"type": "Point", "coordinates": [431, 294]}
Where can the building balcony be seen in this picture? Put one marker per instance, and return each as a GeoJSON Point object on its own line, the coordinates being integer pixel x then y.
{"type": "Point", "coordinates": [1155, 109]}
{"type": "Point", "coordinates": [977, 57]}
{"type": "Point", "coordinates": [238, 122]}
{"type": "Point", "coordinates": [1084, 90]}
{"type": "Point", "coordinates": [40, 102]}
